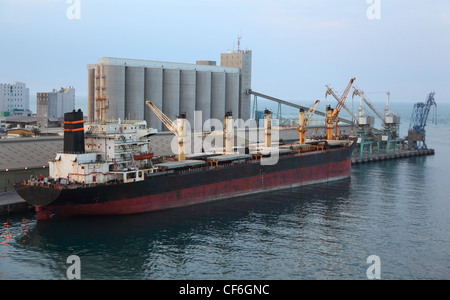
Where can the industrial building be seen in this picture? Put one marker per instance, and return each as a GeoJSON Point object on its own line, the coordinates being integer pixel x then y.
{"type": "Point", "coordinates": [176, 88]}
{"type": "Point", "coordinates": [2, 125]}
{"type": "Point", "coordinates": [52, 106]}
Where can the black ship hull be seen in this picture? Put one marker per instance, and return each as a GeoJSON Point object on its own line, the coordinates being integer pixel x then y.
{"type": "Point", "coordinates": [182, 188]}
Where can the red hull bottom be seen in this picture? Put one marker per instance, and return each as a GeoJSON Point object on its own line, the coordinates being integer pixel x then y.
{"type": "Point", "coordinates": [206, 193]}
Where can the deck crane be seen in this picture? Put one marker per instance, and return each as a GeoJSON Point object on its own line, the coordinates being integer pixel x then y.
{"type": "Point", "coordinates": [333, 114]}
{"type": "Point", "coordinates": [331, 92]}
{"type": "Point", "coordinates": [178, 129]}
{"type": "Point", "coordinates": [304, 120]}
{"type": "Point", "coordinates": [416, 133]}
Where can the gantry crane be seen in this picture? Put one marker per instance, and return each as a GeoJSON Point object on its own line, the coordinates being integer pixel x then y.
{"type": "Point", "coordinates": [333, 114]}
{"type": "Point", "coordinates": [416, 133]}
{"type": "Point", "coordinates": [304, 120]}
{"type": "Point", "coordinates": [178, 129]}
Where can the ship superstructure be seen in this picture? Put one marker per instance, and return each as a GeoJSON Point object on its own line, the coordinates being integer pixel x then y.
{"type": "Point", "coordinates": [99, 153]}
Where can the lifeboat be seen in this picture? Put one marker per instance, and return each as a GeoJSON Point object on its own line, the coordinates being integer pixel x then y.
{"type": "Point", "coordinates": [143, 156]}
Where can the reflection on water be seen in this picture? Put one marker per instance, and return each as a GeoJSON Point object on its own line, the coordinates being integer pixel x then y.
{"type": "Point", "coordinates": [6, 234]}
{"type": "Point", "coordinates": [219, 239]}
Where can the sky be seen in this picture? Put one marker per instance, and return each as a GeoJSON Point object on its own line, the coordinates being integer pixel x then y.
{"type": "Point", "coordinates": [298, 46]}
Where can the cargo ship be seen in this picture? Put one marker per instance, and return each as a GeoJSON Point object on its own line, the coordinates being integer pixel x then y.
{"type": "Point", "coordinates": [108, 168]}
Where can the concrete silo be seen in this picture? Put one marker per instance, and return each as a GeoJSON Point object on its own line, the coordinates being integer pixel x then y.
{"type": "Point", "coordinates": [91, 94]}
{"type": "Point", "coordinates": [232, 94]}
{"type": "Point", "coordinates": [187, 94]}
{"type": "Point", "coordinates": [218, 81]}
{"type": "Point", "coordinates": [203, 101]}
{"type": "Point", "coordinates": [134, 93]}
{"type": "Point", "coordinates": [173, 87]}
{"type": "Point", "coordinates": [115, 91]}
{"type": "Point", "coordinates": [171, 94]}
{"type": "Point", "coordinates": [153, 93]}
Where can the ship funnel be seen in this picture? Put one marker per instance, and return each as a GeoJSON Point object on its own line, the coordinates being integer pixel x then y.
{"type": "Point", "coordinates": [74, 132]}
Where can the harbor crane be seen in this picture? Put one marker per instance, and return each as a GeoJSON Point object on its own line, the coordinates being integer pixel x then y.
{"type": "Point", "coordinates": [416, 133]}
{"type": "Point", "coordinates": [331, 92]}
{"type": "Point", "coordinates": [178, 129]}
{"type": "Point", "coordinates": [333, 114]}
{"type": "Point", "coordinates": [286, 103]}
{"type": "Point", "coordinates": [304, 120]}
{"type": "Point", "coordinates": [360, 93]}
{"type": "Point", "coordinates": [390, 122]}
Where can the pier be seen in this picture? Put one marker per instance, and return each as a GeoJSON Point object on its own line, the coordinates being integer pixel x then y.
{"type": "Point", "coordinates": [376, 157]}
{"type": "Point", "coordinates": [12, 203]}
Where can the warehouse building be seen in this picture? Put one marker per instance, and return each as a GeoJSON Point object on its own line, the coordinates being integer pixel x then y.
{"type": "Point", "coordinates": [175, 88]}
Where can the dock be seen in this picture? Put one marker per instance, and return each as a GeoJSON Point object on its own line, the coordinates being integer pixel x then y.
{"type": "Point", "coordinates": [376, 157]}
{"type": "Point", "coordinates": [12, 203]}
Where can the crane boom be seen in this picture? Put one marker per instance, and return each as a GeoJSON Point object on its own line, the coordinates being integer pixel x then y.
{"type": "Point", "coordinates": [331, 92]}
{"type": "Point", "coordinates": [332, 115]}
{"type": "Point", "coordinates": [311, 112]}
{"type": "Point", "coordinates": [304, 120]}
{"type": "Point", "coordinates": [369, 104]}
{"type": "Point", "coordinates": [421, 113]}
{"type": "Point", "coordinates": [179, 130]}
{"type": "Point", "coordinates": [165, 119]}
{"type": "Point", "coordinates": [343, 98]}
{"type": "Point", "coordinates": [416, 133]}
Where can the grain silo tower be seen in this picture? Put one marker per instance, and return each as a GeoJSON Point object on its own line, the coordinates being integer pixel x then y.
{"type": "Point", "coordinates": [174, 87]}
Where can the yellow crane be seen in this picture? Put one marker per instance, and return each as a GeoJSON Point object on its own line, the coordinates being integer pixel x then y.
{"type": "Point", "coordinates": [178, 129]}
{"type": "Point", "coordinates": [332, 114]}
{"type": "Point", "coordinates": [304, 120]}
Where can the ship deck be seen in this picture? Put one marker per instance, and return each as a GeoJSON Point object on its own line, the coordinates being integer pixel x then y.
{"type": "Point", "coordinates": [208, 161]}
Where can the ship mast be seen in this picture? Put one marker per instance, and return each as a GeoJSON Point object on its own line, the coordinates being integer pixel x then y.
{"type": "Point", "coordinates": [178, 129]}
{"type": "Point", "coordinates": [304, 120]}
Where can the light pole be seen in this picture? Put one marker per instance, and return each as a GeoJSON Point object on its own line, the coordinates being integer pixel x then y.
{"type": "Point", "coordinates": [6, 175]}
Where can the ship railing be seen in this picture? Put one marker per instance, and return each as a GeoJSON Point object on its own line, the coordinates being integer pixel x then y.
{"type": "Point", "coordinates": [213, 167]}
{"type": "Point", "coordinates": [310, 150]}
{"type": "Point", "coordinates": [41, 183]}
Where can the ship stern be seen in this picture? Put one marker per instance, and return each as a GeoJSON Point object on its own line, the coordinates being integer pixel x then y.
{"type": "Point", "coordinates": [40, 197]}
